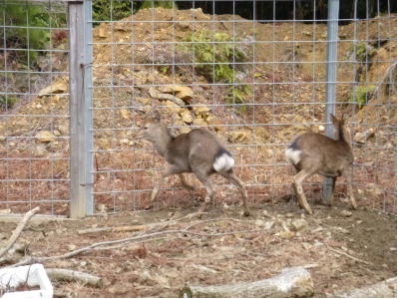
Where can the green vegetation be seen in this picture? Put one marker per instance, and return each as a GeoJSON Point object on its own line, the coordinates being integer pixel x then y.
{"type": "Point", "coordinates": [213, 55]}
{"type": "Point", "coordinates": [154, 3]}
{"type": "Point", "coordinates": [105, 10]}
{"type": "Point", "coordinates": [363, 52]}
{"type": "Point", "coordinates": [26, 29]}
{"type": "Point", "coordinates": [362, 94]}
{"type": "Point", "coordinates": [7, 102]}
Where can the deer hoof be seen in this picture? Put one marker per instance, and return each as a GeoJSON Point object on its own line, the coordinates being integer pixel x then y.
{"type": "Point", "coordinates": [246, 213]}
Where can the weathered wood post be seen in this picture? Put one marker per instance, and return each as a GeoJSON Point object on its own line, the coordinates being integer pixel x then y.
{"type": "Point", "coordinates": [80, 56]}
{"type": "Point", "coordinates": [331, 75]}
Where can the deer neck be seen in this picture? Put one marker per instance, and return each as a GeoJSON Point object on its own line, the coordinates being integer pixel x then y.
{"type": "Point", "coordinates": [163, 140]}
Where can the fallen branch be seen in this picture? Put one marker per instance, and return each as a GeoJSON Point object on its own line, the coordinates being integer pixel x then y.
{"type": "Point", "coordinates": [17, 232]}
{"type": "Point", "coordinates": [384, 289]}
{"type": "Point", "coordinates": [139, 238]}
{"type": "Point", "coordinates": [347, 255]}
{"type": "Point", "coordinates": [291, 282]}
{"type": "Point", "coordinates": [130, 228]}
{"type": "Point", "coordinates": [133, 228]}
{"type": "Point", "coordinates": [72, 275]}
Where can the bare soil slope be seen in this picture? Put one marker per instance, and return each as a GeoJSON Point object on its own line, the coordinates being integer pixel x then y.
{"type": "Point", "coordinates": [344, 249]}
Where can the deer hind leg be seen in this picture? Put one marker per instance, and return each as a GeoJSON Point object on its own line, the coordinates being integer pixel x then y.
{"type": "Point", "coordinates": [209, 190]}
{"type": "Point", "coordinates": [348, 175]}
{"type": "Point", "coordinates": [298, 188]}
{"type": "Point", "coordinates": [230, 176]}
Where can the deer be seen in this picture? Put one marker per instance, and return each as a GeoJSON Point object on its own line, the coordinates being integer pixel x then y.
{"type": "Point", "coordinates": [314, 153]}
{"type": "Point", "coordinates": [198, 152]}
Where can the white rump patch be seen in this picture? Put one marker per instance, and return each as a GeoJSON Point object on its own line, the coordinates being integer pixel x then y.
{"type": "Point", "coordinates": [293, 156]}
{"type": "Point", "coordinates": [223, 163]}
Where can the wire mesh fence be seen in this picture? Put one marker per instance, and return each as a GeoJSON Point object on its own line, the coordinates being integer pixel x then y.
{"type": "Point", "coordinates": [255, 81]}
{"type": "Point", "coordinates": [252, 72]}
{"type": "Point", "coordinates": [34, 115]}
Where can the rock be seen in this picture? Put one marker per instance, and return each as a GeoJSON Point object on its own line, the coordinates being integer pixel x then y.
{"type": "Point", "coordinates": [183, 92]}
{"type": "Point", "coordinates": [186, 116]}
{"type": "Point", "coordinates": [45, 136]}
{"type": "Point", "coordinates": [299, 224]}
{"type": "Point", "coordinates": [140, 78]}
{"type": "Point", "coordinates": [201, 111]}
{"type": "Point", "coordinates": [40, 150]}
{"type": "Point", "coordinates": [165, 96]}
{"type": "Point", "coordinates": [71, 247]}
{"type": "Point", "coordinates": [173, 107]}
{"type": "Point", "coordinates": [269, 224]}
{"type": "Point", "coordinates": [101, 32]}
{"type": "Point", "coordinates": [144, 101]}
{"type": "Point", "coordinates": [239, 136]}
{"type": "Point", "coordinates": [57, 87]}
{"type": "Point", "coordinates": [306, 245]}
{"type": "Point", "coordinates": [346, 213]}
{"type": "Point", "coordinates": [215, 122]}
{"type": "Point", "coordinates": [125, 113]}
{"type": "Point", "coordinates": [286, 234]}
{"type": "Point", "coordinates": [362, 137]}
{"type": "Point", "coordinates": [199, 122]}
{"type": "Point", "coordinates": [259, 223]}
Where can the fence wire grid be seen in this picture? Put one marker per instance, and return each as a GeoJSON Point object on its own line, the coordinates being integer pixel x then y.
{"type": "Point", "coordinates": [34, 125]}
{"type": "Point", "coordinates": [255, 79]}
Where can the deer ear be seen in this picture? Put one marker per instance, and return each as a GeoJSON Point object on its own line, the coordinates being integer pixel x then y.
{"type": "Point", "coordinates": [333, 118]}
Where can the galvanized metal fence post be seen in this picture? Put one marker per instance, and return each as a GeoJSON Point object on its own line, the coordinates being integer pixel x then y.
{"type": "Point", "coordinates": [81, 203]}
{"type": "Point", "coordinates": [331, 69]}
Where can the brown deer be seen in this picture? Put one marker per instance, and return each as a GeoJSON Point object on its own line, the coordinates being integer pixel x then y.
{"type": "Point", "coordinates": [313, 153]}
{"type": "Point", "coordinates": [197, 152]}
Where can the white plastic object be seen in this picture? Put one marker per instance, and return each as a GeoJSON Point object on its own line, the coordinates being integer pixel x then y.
{"type": "Point", "coordinates": [32, 275]}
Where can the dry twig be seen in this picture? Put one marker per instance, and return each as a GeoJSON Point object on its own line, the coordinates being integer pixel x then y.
{"type": "Point", "coordinates": [347, 255]}
{"type": "Point", "coordinates": [17, 232]}
{"type": "Point", "coordinates": [138, 238]}
{"type": "Point", "coordinates": [129, 228]}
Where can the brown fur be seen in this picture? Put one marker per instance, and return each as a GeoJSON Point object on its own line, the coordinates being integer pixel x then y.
{"type": "Point", "coordinates": [313, 153]}
{"type": "Point", "coordinates": [193, 152]}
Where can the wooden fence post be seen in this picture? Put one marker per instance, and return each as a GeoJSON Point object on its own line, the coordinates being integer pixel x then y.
{"type": "Point", "coordinates": [80, 110]}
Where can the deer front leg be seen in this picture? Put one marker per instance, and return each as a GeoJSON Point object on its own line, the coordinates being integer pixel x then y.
{"type": "Point", "coordinates": [185, 184]}
{"type": "Point", "coordinates": [350, 190]}
{"type": "Point", "coordinates": [170, 171]}
{"type": "Point", "coordinates": [298, 189]}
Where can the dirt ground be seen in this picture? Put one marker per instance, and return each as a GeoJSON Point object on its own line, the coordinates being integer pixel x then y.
{"type": "Point", "coordinates": [167, 249]}
{"type": "Point", "coordinates": [342, 249]}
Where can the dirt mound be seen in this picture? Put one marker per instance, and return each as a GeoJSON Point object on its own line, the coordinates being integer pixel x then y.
{"type": "Point", "coordinates": [343, 249]}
